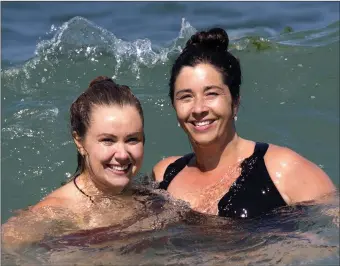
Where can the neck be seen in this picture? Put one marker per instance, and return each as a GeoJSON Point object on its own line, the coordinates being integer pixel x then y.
{"type": "Point", "coordinates": [208, 157]}
{"type": "Point", "coordinates": [94, 190]}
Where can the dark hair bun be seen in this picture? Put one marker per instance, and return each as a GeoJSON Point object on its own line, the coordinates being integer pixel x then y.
{"type": "Point", "coordinates": [100, 79]}
{"type": "Point", "coordinates": [214, 39]}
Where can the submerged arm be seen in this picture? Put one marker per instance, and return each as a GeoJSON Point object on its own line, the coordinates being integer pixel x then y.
{"type": "Point", "coordinates": [33, 225]}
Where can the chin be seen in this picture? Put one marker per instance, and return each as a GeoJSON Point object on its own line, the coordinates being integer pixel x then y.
{"type": "Point", "coordinates": [122, 181]}
{"type": "Point", "coordinates": [203, 141]}
{"type": "Point", "coordinates": [203, 138]}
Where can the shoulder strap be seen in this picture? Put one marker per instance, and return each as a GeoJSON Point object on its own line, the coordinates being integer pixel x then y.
{"type": "Point", "coordinates": [261, 149]}
{"type": "Point", "coordinates": [173, 169]}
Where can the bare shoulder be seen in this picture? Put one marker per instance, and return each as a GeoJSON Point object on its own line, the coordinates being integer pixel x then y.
{"type": "Point", "coordinates": [50, 202]}
{"type": "Point", "coordinates": [283, 155]}
{"type": "Point", "coordinates": [159, 169]}
{"type": "Point", "coordinates": [62, 197]}
{"type": "Point", "coordinates": [291, 171]}
{"type": "Point", "coordinates": [291, 161]}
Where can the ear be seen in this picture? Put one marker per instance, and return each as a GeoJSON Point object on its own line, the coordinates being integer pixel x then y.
{"type": "Point", "coordinates": [78, 141]}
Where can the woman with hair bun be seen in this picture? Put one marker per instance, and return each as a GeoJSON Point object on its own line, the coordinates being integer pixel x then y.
{"type": "Point", "coordinates": [227, 175]}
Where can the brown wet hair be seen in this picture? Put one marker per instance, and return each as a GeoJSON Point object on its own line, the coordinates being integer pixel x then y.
{"type": "Point", "coordinates": [102, 91]}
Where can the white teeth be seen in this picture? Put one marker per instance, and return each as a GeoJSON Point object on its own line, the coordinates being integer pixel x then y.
{"type": "Point", "coordinates": [202, 123]}
{"type": "Point", "coordinates": [120, 168]}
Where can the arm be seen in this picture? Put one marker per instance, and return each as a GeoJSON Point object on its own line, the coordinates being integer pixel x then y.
{"type": "Point", "coordinates": [32, 225]}
{"type": "Point", "coordinates": [297, 178]}
{"type": "Point", "coordinates": [159, 169]}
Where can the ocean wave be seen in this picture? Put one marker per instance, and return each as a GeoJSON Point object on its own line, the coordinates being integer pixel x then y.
{"type": "Point", "coordinates": [79, 41]}
{"type": "Point", "coordinates": [81, 38]}
{"type": "Point", "coordinates": [311, 38]}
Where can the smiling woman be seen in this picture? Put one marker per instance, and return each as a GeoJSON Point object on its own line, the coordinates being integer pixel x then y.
{"type": "Point", "coordinates": [108, 129]}
{"type": "Point", "coordinates": [227, 175]}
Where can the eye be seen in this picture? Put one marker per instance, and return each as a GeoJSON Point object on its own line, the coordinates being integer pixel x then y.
{"type": "Point", "coordinates": [212, 93]}
{"type": "Point", "coordinates": [133, 140]}
{"type": "Point", "coordinates": [107, 141]}
{"type": "Point", "coordinates": [185, 97]}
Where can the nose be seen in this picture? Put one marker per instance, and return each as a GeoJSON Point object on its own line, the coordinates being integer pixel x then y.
{"type": "Point", "coordinates": [121, 155]}
{"type": "Point", "coordinates": [199, 107]}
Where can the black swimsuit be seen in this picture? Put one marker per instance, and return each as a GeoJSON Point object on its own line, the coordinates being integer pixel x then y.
{"type": "Point", "coordinates": [252, 194]}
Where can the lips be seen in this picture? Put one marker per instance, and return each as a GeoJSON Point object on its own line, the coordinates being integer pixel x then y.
{"type": "Point", "coordinates": [203, 124]}
{"type": "Point", "coordinates": [119, 169]}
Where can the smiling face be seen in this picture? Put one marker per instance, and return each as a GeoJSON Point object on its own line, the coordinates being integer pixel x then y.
{"type": "Point", "coordinates": [203, 104]}
{"type": "Point", "coordinates": [113, 146]}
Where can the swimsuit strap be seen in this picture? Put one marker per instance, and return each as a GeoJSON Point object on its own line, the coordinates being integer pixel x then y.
{"type": "Point", "coordinates": [260, 149]}
{"type": "Point", "coordinates": [173, 169]}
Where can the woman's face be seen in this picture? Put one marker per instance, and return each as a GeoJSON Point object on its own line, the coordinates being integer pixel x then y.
{"type": "Point", "coordinates": [203, 104]}
{"type": "Point", "coordinates": [113, 146]}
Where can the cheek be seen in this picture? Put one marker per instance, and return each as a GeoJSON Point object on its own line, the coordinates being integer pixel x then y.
{"type": "Point", "coordinates": [222, 107]}
{"type": "Point", "coordinates": [137, 153]}
{"type": "Point", "coordinates": [181, 111]}
{"type": "Point", "coordinates": [101, 153]}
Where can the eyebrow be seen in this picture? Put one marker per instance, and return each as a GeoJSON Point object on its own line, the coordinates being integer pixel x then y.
{"type": "Point", "coordinates": [205, 89]}
{"type": "Point", "coordinates": [183, 91]}
{"type": "Point", "coordinates": [134, 134]}
{"type": "Point", "coordinates": [114, 136]}
{"type": "Point", "coordinates": [212, 87]}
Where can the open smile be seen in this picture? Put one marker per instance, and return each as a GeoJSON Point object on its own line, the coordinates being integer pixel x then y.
{"type": "Point", "coordinates": [203, 125]}
{"type": "Point", "coordinates": [119, 169]}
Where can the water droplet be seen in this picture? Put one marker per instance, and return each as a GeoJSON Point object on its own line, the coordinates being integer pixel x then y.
{"type": "Point", "coordinates": [283, 164]}
{"type": "Point", "coordinates": [68, 175]}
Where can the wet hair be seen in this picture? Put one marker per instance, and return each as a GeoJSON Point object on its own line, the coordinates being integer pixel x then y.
{"type": "Point", "coordinates": [209, 47]}
{"type": "Point", "coordinates": [102, 91]}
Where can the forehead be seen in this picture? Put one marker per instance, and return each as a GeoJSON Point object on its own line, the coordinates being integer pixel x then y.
{"type": "Point", "coordinates": [199, 75]}
{"type": "Point", "coordinates": [116, 118]}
